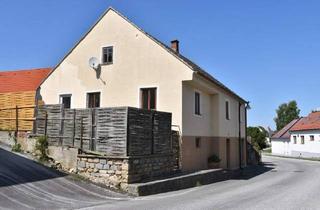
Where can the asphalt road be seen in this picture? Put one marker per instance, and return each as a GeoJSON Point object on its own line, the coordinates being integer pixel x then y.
{"type": "Point", "coordinates": [279, 184]}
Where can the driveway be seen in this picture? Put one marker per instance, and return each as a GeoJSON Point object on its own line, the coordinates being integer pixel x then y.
{"type": "Point", "coordinates": [279, 184]}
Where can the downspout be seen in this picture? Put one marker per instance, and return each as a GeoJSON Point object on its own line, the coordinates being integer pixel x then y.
{"type": "Point", "coordinates": [240, 150]}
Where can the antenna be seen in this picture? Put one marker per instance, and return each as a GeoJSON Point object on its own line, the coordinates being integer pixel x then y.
{"type": "Point", "coordinates": [94, 63]}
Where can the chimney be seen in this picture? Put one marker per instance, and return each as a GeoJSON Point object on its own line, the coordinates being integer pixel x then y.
{"type": "Point", "coordinates": [175, 45]}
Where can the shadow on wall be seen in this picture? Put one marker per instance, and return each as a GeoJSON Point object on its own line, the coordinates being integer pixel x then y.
{"type": "Point", "coordinates": [15, 169]}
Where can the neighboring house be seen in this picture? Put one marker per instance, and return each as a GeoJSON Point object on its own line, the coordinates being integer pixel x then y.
{"type": "Point", "coordinates": [305, 136]}
{"type": "Point", "coordinates": [280, 140]}
{"type": "Point", "coordinates": [138, 70]}
{"type": "Point", "coordinates": [19, 88]}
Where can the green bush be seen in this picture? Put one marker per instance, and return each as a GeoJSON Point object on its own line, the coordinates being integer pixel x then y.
{"type": "Point", "coordinates": [42, 145]}
{"type": "Point", "coordinates": [16, 147]}
{"type": "Point", "coordinates": [214, 159]}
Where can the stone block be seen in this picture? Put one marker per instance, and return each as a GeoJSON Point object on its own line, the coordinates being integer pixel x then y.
{"type": "Point", "coordinates": [103, 161]}
{"type": "Point", "coordinates": [96, 160]}
{"type": "Point", "coordinates": [106, 166]}
{"type": "Point", "coordinates": [82, 164]}
{"type": "Point", "coordinates": [99, 166]}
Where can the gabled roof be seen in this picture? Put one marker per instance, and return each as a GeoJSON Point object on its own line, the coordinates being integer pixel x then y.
{"type": "Point", "coordinates": [284, 132]}
{"type": "Point", "coordinates": [311, 122]}
{"type": "Point", "coordinates": [22, 80]}
{"type": "Point", "coordinates": [183, 59]}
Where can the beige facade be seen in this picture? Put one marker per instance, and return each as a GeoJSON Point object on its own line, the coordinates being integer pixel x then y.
{"type": "Point", "coordinates": [140, 61]}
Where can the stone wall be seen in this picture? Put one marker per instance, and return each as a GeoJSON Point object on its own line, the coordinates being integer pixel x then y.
{"type": "Point", "coordinates": [117, 172]}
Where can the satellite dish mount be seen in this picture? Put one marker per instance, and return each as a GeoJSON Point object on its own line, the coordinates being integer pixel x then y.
{"type": "Point", "coordinates": [94, 63]}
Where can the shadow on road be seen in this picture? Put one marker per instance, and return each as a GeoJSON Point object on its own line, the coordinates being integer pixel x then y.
{"type": "Point", "coordinates": [15, 169]}
{"type": "Point", "coordinates": [256, 170]}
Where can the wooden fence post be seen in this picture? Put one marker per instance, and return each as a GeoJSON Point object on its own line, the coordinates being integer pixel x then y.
{"type": "Point", "coordinates": [45, 123]}
{"type": "Point", "coordinates": [74, 127]}
{"type": "Point", "coordinates": [81, 134]}
{"type": "Point", "coordinates": [17, 123]}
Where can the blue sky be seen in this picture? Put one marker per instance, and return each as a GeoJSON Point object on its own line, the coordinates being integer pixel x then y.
{"type": "Point", "coordinates": [266, 51]}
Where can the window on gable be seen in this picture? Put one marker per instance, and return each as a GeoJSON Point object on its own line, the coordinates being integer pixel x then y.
{"type": "Point", "coordinates": [227, 110]}
{"type": "Point", "coordinates": [107, 55]}
{"type": "Point", "coordinates": [197, 103]}
{"type": "Point", "coordinates": [148, 98]}
{"type": "Point", "coordinates": [93, 100]}
{"type": "Point", "coordinates": [65, 99]}
{"type": "Point", "coordinates": [302, 139]}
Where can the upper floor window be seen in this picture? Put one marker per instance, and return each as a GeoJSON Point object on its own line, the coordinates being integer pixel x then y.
{"type": "Point", "coordinates": [65, 99]}
{"type": "Point", "coordinates": [197, 103]}
{"type": "Point", "coordinates": [93, 100]}
{"type": "Point", "coordinates": [311, 137]}
{"type": "Point", "coordinates": [107, 55]}
{"type": "Point", "coordinates": [148, 98]}
{"type": "Point", "coordinates": [227, 110]}
{"type": "Point", "coordinates": [294, 139]}
{"type": "Point", "coordinates": [302, 139]}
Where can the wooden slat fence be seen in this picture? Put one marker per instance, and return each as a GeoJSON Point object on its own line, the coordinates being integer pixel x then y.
{"type": "Point", "coordinates": [117, 131]}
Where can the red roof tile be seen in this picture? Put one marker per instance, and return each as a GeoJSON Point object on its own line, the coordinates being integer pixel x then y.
{"type": "Point", "coordinates": [22, 80]}
{"type": "Point", "coordinates": [311, 122]}
{"type": "Point", "coordinates": [284, 132]}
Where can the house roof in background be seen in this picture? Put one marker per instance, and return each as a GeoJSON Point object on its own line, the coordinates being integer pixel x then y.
{"type": "Point", "coordinates": [311, 122]}
{"type": "Point", "coordinates": [22, 80]}
{"type": "Point", "coordinates": [284, 132]}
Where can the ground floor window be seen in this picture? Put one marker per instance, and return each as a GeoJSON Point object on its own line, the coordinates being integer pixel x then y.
{"type": "Point", "coordinates": [148, 98]}
{"type": "Point", "coordinates": [93, 100]}
{"type": "Point", "coordinates": [198, 142]}
{"type": "Point", "coordinates": [65, 99]}
{"type": "Point", "coordinates": [302, 139]}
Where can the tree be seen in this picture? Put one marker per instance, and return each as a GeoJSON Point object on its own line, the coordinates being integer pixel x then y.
{"type": "Point", "coordinates": [258, 137]}
{"type": "Point", "coordinates": [286, 112]}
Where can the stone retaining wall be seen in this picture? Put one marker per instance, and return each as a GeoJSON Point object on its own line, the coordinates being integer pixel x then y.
{"type": "Point", "coordinates": [117, 172]}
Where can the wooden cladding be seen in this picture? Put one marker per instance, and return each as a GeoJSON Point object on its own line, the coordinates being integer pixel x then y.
{"type": "Point", "coordinates": [119, 131]}
{"type": "Point", "coordinates": [25, 101]}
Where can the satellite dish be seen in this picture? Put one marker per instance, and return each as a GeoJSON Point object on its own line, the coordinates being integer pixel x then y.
{"type": "Point", "coordinates": [94, 63]}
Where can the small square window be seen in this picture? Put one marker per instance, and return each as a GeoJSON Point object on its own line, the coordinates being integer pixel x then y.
{"type": "Point", "coordinates": [198, 142]}
{"type": "Point", "coordinates": [65, 99]}
{"type": "Point", "coordinates": [107, 55]}
{"type": "Point", "coordinates": [312, 138]}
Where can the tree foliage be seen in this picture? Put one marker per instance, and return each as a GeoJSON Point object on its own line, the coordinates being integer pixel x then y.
{"type": "Point", "coordinates": [286, 112]}
{"type": "Point", "coordinates": [258, 137]}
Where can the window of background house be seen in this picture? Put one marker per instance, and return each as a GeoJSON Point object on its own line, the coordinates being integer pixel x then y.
{"type": "Point", "coordinates": [302, 139]}
{"type": "Point", "coordinates": [198, 142]}
{"type": "Point", "coordinates": [65, 99]}
{"type": "Point", "coordinates": [107, 55]}
{"type": "Point", "coordinates": [227, 111]}
{"type": "Point", "coordinates": [93, 100]}
{"type": "Point", "coordinates": [312, 138]}
{"type": "Point", "coordinates": [197, 103]}
{"type": "Point", "coordinates": [148, 97]}
{"type": "Point", "coordinates": [294, 139]}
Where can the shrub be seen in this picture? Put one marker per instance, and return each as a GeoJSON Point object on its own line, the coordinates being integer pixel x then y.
{"type": "Point", "coordinates": [214, 159]}
{"type": "Point", "coordinates": [42, 145]}
{"type": "Point", "coordinates": [16, 147]}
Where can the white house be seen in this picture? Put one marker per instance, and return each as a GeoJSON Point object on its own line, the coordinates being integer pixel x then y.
{"type": "Point", "coordinates": [305, 136]}
{"type": "Point", "coordinates": [301, 137]}
{"type": "Point", "coordinates": [138, 70]}
{"type": "Point", "coordinates": [280, 140]}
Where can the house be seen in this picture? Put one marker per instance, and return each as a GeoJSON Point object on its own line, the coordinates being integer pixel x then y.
{"type": "Point", "coordinates": [19, 89]}
{"type": "Point", "coordinates": [280, 141]}
{"type": "Point", "coordinates": [305, 136]}
{"type": "Point", "coordinates": [138, 70]}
